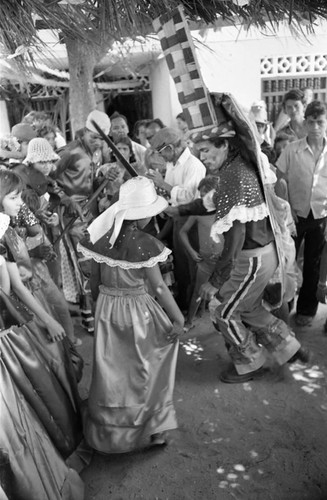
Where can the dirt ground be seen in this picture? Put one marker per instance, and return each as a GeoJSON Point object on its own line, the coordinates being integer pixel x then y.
{"type": "Point", "coordinates": [262, 440]}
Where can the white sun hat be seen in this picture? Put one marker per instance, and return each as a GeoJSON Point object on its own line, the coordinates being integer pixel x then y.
{"type": "Point", "coordinates": [138, 199]}
{"type": "Point", "coordinates": [40, 150]}
{"type": "Point", "coordinates": [100, 119]}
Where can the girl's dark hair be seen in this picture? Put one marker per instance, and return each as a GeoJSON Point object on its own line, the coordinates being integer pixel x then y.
{"type": "Point", "coordinates": [128, 142]}
{"type": "Point", "coordinates": [209, 182]}
{"type": "Point", "coordinates": [45, 130]}
{"type": "Point", "coordinates": [9, 182]}
{"type": "Point", "coordinates": [157, 121]}
{"type": "Point", "coordinates": [137, 126]}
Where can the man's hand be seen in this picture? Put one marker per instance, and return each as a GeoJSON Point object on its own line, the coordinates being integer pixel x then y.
{"type": "Point", "coordinates": [109, 171]}
{"type": "Point", "coordinates": [207, 291]}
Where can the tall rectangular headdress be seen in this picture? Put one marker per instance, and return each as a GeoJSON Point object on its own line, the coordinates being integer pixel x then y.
{"type": "Point", "coordinates": [178, 48]}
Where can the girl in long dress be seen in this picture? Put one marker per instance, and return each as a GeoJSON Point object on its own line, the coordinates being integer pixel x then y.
{"type": "Point", "coordinates": [49, 384]}
{"type": "Point", "coordinates": [131, 396]}
{"type": "Point", "coordinates": [36, 424]}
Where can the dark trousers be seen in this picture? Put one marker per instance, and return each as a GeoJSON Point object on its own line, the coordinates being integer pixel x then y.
{"type": "Point", "coordinates": [312, 232]}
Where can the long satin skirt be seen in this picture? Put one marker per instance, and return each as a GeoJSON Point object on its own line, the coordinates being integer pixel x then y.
{"type": "Point", "coordinates": [37, 418]}
{"type": "Point", "coordinates": [131, 394]}
{"type": "Point", "coordinates": [44, 375]}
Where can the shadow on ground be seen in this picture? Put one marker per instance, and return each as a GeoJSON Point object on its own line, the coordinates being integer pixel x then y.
{"type": "Point", "coordinates": [262, 440]}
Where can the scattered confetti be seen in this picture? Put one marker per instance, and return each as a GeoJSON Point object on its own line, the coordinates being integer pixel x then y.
{"type": "Point", "coordinates": [300, 376]}
{"type": "Point", "coordinates": [247, 387]}
{"type": "Point", "coordinates": [239, 467]}
{"type": "Point", "coordinates": [307, 389]}
{"type": "Point", "coordinates": [314, 374]}
{"type": "Point", "coordinates": [192, 346]}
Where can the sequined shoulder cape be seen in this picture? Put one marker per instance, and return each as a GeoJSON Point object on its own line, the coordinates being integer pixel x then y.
{"type": "Point", "coordinates": [238, 197]}
{"type": "Point", "coordinates": [133, 249]}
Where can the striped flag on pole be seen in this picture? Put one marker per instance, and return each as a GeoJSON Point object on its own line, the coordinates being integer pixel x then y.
{"type": "Point", "coordinates": [178, 48]}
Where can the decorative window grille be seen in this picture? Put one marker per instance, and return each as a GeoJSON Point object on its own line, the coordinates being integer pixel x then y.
{"type": "Point", "coordinates": [279, 74]}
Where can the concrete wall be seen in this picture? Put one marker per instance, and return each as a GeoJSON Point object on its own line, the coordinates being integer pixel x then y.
{"type": "Point", "coordinates": [229, 59]}
{"type": "Point", "coordinates": [234, 64]}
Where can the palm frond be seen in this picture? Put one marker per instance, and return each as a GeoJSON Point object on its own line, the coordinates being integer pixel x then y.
{"type": "Point", "coordinates": [100, 19]}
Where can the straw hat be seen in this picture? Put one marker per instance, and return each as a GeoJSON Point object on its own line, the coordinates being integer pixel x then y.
{"type": "Point", "coordinates": [138, 199]}
{"type": "Point", "coordinates": [39, 150]}
{"type": "Point", "coordinates": [101, 119]}
{"type": "Point", "coordinates": [225, 130]}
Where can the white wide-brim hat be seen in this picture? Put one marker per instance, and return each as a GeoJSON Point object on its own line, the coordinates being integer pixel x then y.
{"type": "Point", "coordinates": [138, 199]}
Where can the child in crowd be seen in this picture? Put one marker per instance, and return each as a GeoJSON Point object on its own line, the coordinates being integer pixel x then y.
{"type": "Point", "coordinates": [130, 402]}
{"type": "Point", "coordinates": [208, 253]}
{"type": "Point", "coordinates": [281, 141]}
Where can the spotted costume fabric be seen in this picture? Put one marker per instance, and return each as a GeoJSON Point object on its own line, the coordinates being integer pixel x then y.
{"type": "Point", "coordinates": [238, 197]}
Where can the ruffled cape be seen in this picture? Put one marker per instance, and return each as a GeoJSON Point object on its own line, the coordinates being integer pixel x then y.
{"type": "Point", "coordinates": [238, 197]}
{"type": "Point", "coordinates": [133, 249]}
